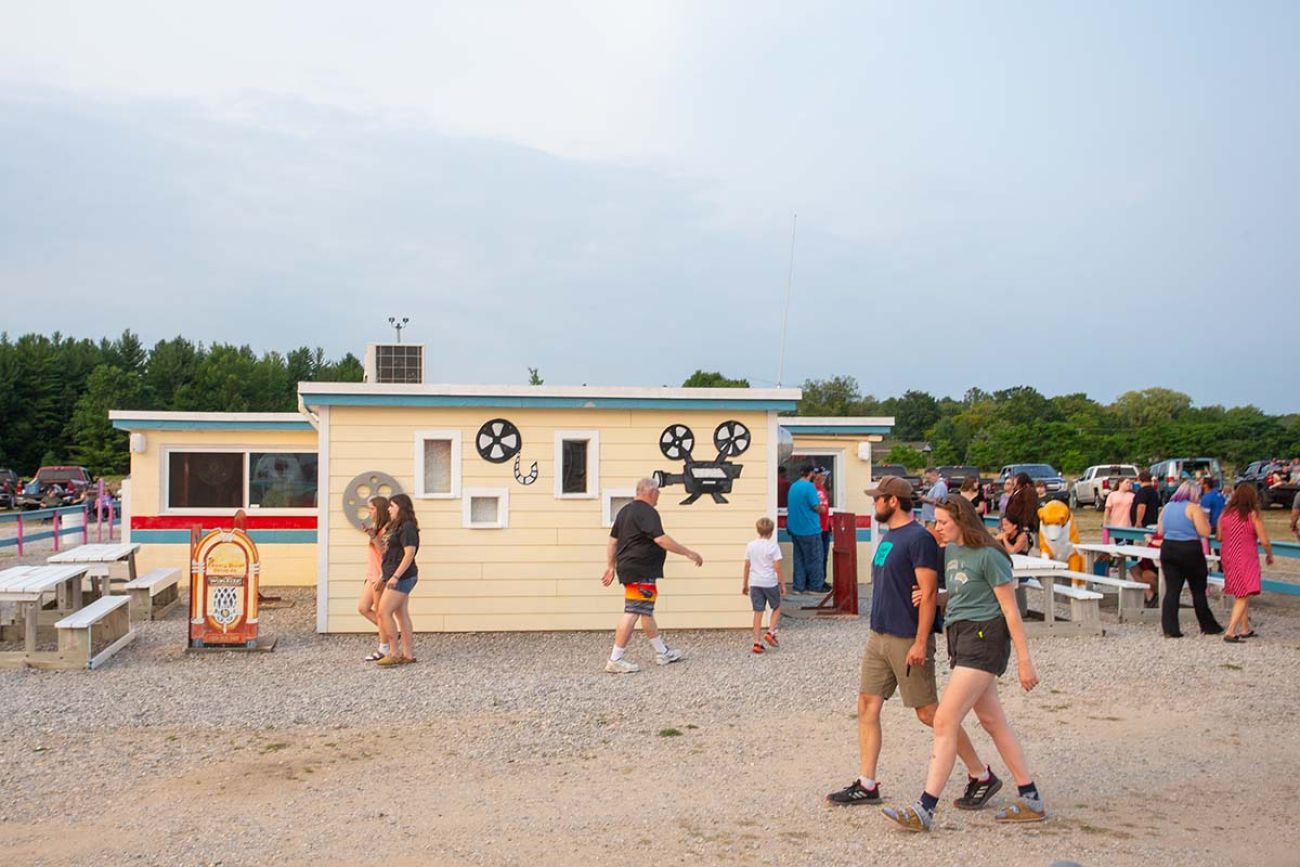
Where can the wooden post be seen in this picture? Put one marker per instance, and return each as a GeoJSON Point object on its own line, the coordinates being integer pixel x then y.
{"type": "Point", "coordinates": [20, 534]}
{"type": "Point", "coordinates": [57, 526]}
{"type": "Point", "coordinates": [85, 523]}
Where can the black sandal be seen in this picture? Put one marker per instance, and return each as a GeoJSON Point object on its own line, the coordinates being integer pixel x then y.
{"type": "Point", "coordinates": [1250, 634]}
{"type": "Point", "coordinates": [1233, 639]}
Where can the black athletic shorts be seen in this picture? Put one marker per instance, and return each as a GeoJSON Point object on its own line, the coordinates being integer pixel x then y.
{"type": "Point", "coordinates": [981, 644]}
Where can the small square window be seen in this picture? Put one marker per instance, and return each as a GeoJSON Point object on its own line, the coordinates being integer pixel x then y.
{"type": "Point", "coordinates": [612, 502]}
{"type": "Point", "coordinates": [486, 508]}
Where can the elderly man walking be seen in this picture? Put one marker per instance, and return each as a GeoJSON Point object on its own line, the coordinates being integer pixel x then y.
{"type": "Point", "coordinates": [803, 523]}
{"type": "Point", "coordinates": [636, 552]}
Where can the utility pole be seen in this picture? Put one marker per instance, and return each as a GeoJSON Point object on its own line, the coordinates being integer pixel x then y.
{"type": "Point", "coordinates": [398, 325]}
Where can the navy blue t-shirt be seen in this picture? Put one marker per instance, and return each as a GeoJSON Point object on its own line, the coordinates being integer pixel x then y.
{"type": "Point", "coordinates": [893, 575]}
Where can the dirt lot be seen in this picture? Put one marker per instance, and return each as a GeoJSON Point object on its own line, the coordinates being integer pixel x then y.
{"type": "Point", "coordinates": [500, 749]}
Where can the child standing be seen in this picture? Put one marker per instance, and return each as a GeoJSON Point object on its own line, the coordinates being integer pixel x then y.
{"type": "Point", "coordinates": [763, 582]}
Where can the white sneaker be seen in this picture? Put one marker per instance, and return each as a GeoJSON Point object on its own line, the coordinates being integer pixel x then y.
{"type": "Point", "coordinates": [621, 666]}
{"type": "Point", "coordinates": [668, 656]}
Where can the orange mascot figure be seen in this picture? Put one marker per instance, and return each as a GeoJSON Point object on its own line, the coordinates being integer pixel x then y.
{"type": "Point", "coordinates": [1058, 535]}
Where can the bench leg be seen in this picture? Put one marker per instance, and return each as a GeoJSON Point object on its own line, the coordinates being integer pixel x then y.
{"type": "Point", "coordinates": [75, 646]}
{"type": "Point", "coordinates": [1129, 601]}
{"type": "Point", "coordinates": [29, 633]}
{"type": "Point", "coordinates": [141, 603]}
{"type": "Point", "coordinates": [165, 601]}
{"type": "Point", "coordinates": [1085, 611]}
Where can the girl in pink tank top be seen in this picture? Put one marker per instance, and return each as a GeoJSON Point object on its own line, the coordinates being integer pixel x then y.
{"type": "Point", "coordinates": [373, 587]}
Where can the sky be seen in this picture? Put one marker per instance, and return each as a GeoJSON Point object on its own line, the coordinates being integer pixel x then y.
{"type": "Point", "coordinates": [1074, 196]}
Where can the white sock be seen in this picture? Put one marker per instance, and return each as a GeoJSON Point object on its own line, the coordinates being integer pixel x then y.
{"type": "Point", "coordinates": [983, 776]}
{"type": "Point", "coordinates": [383, 648]}
{"type": "Point", "coordinates": [866, 782]}
{"type": "Point", "coordinates": [616, 654]}
{"type": "Point", "coordinates": [658, 644]}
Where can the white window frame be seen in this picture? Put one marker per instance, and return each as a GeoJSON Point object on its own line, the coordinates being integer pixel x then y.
{"type": "Point", "coordinates": [164, 493]}
{"type": "Point", "coordinates": [422, 436]}
{"type": "Point", "coordinates": [836, 468]}
{"type": "Point", "coordinates": [503, 508]}
{"type": "Point", "coordinates": [593, 463]}
{"type": "Point", "coordinates": [607, 505]}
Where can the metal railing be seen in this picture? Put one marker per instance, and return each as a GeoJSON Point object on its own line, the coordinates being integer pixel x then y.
{"type": "Point", "coordinates": [105, 519]}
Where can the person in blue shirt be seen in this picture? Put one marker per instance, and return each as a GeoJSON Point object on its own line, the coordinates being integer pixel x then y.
{"type": "Point", "coordinates": [803, 523]}
{"type": "Point", "coordinates": [937, 494]}
{"type": "Point", "coordinates": [1212, 501]}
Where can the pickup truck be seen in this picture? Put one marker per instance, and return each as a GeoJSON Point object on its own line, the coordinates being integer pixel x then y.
{"type": "Point", "coordinates": [1096, 483]}
{"type": "Point", "coordinates": [879, 471]}
{"type": "Point", "coordinates": [1272, 482]}
{"type": "Point", "coordinates": [1056, 487]}
{"type": "Point", "coordinates": [954, 476]}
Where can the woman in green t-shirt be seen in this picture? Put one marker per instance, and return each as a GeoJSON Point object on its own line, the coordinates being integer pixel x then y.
{"type": "Point", "coordinates": [983, 622]}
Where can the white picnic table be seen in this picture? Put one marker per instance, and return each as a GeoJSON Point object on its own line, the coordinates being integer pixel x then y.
{"type": "Point", "coordinates": [1133, 552]}
{"type": "Point", "coordinates": [99, 558]}
{"type": "Point", "coordinates": [26, 585]}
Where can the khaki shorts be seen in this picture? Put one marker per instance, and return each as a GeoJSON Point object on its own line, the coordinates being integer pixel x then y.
{"type": "Point", "coordinates": [884, 668]}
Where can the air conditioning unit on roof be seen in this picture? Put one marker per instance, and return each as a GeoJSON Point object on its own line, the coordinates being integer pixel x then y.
{"type": "Point", "coordinates": [395, 363]}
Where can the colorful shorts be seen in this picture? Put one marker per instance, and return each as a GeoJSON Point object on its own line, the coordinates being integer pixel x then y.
{"type": "Point", "coordinates": [640, 598]}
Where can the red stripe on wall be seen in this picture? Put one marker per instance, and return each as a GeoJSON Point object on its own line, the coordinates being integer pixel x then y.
{"type": "Point", "coordinates": [254, 522]}
{"type": "Point", "coordinates": [859, 520]}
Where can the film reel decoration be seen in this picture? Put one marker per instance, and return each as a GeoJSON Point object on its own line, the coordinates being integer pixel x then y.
{"type": "Point", "coordinates": [498, 441]}
{"type": "Point", "coordinates": [676, 442]}
{"type": "Point", "coordinates": [358, 493]}
{"type": "Point", "coordinates": [731, 438]}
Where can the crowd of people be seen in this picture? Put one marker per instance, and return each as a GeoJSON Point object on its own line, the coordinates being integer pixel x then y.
{"type": "Point", "coordinates": [978, 611]}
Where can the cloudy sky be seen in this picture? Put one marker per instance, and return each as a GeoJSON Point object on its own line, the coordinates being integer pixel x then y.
{"type": "Point", "coordinates": [1074, 196]}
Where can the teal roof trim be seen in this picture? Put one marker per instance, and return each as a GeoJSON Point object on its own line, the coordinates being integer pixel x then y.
{"type": "Point", "coordinates": [433, 400]}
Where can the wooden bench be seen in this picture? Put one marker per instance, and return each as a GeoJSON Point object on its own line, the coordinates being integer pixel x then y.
{"type": "Point", "coordinates": [112, 614]}
{"type": "Point", "coordinates": [154, 593]}
{"type": "Point", "coordinates": [1085, 605]}
{"type": "Point", "coordinates": [1131, 593]}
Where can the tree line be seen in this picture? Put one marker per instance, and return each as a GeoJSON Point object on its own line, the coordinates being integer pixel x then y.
{"type": "Point", "coordinates": [56, 391]}
{"type": "Point", "coordinates": [1070, 431]}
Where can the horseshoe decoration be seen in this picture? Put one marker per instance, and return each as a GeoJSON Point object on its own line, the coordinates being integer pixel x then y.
{"type": "Point", "coordinates": [731, 438]}
{"type": "Point", "coordinates": [498, 441]}
{"type": "Point", "coordinates": [356, 496]}
{"type": "Point", "coordinates": [520, 477]}
{"type": "Point", "coordinates": [677, 441]}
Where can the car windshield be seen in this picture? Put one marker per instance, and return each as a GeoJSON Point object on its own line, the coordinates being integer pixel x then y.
{"type": "Point", "coordinates": [1116, 470]}
{"type": "Point", "coordinates": [48, 476]}
{"type": "Point", "coordinates": [1197, 465]}
{"type": "Point", "coordinates": [1035, 471]}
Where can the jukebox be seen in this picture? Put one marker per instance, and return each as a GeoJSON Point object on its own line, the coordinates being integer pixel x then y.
{"type": "Point", "coordinates": [224, 573]}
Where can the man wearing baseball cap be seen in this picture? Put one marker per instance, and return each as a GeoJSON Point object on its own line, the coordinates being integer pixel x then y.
{"type": "Point", "coordinates": [900, 645]}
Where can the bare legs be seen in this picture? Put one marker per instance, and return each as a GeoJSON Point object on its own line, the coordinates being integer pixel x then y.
{"type": "Point", "coordinates": [968, 689]}
{"type": "Point", "coordinates": [368, 607]}
{"type": "Point", "coordinates": [869, 736]}
{"type": "Point", "coordinates": [1239, 624]}
{"type": "Point", "coordinates": [395, 615]}
{"type": "Point", "coordinates": [623, 632]}
{"type": "Point", "coordinates": [771, 627]}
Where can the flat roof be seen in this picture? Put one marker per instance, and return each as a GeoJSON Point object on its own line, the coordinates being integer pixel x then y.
{"type": "Point", "coordinates": [314, 394]}
{"type": "Point", "coordinates": [841, 425]}
{"type": "Point", "coordinates": [129, 419]}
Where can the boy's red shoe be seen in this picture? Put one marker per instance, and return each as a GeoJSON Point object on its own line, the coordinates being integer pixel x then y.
{"type": "Point", "coordinates": [758, 648]}
{"type": "Point", "coordinates": [770, 638]}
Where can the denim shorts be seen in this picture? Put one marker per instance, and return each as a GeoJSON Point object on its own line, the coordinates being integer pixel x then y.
{"type": "Point", "coordinates": [406, 585]}
{"type": "Point", "coordinates": [762, 597]}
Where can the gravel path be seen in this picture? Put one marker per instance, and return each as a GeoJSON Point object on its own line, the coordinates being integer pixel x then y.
{"type": "Point", "coordinates": [499, 748]}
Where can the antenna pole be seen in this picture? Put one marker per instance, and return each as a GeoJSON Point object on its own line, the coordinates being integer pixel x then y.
{"type": "Point", "coordinates": [398, 325]}
{"type": "Point", "coordinates": [785, 320]}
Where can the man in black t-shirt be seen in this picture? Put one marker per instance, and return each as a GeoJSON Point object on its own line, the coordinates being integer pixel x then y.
{"type": "Point", "coordinates": [1146, 502]}
{"type": "Point", "coordinates": [636, 552]}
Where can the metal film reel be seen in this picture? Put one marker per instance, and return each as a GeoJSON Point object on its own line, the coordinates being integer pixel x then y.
{"type": "Point", "coordinates": [356, 496]}
{"type": "Point", "coordinates": [732, 438]}
{"type": "Point", "coordinates": [676, 442]}
{"type": "Point", "coordinates": [498, 441]}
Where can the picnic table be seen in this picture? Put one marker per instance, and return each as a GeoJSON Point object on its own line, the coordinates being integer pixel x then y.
{"type": "Point", "coordinates": [1042, 573]}
{"type": "Point", "coordinates": [27, 585]}
{"type": "Point", "coordinates": [1092, 550]}
{"type": "Point", "coordinates": [98, 559]}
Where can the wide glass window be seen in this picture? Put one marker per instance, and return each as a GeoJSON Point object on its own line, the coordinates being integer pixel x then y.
{"type": "Point", "coordinates": [205, 480]}
{"type": "Point", "coordinates": [282, 480]}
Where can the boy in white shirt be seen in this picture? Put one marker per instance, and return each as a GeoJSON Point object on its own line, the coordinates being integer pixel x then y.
{"type": "Point", "coordinates": [763, 582]}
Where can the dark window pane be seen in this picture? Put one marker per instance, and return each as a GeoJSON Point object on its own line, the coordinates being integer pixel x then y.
{"type": "Point", "coordinates": [205, 480]}
{"type": "Point", "coordinates": [282, 480]}
{"type": "Point", "coordinates": [574, 471]}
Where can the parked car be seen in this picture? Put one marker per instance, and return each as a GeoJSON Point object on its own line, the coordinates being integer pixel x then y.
{"type": "Point", "coordinates": [879, 471]}
{"type": "Point", "coordinates": [1096, 483]}
{"type": "Point", "coordinates": [1167, 475]}
{"type": "Point", "coordinates": [1272, 480]}
{"type": "Point", "coordinates": [74, 479]}
{"type": "Point", "coordinates": [955, 475]}
{"type": "Point", "coordinates": [8, 488]}
{"type": "Point", "coordinates": [1056, 487]}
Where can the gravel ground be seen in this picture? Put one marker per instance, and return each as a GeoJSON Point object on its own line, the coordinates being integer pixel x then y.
{"type": "Point", "coordinates": [498, 748]}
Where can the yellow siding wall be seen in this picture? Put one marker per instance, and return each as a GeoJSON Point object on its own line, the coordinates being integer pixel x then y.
{"type": "Point", "coordinates": [287, 564]}
{"type": "Point", "coordinates": [543, 571]}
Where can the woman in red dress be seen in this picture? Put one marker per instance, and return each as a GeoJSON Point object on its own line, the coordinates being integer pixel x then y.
{"type": "Point", "coordinates": [1241, 529]}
